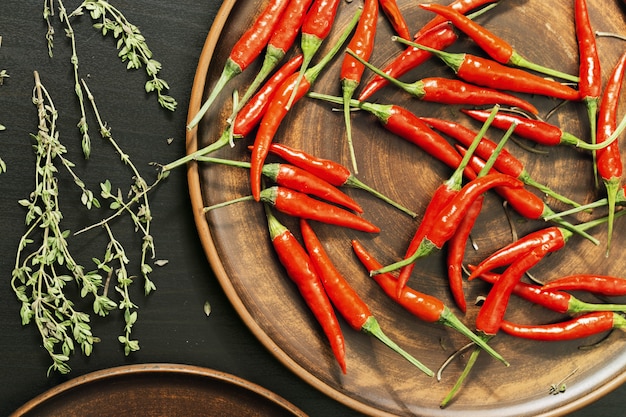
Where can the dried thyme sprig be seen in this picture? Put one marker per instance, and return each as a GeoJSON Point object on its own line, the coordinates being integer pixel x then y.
{"type": "Point", "coordinates": [142, 218]}
{"type": "Point", "coordinates": [41, 274]}
{"type": "Point", "coordinates": [131, 44]}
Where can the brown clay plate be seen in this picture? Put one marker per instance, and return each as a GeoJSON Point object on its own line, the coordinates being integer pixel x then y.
{"type": "Point", "coordinates": [379, 382]}
{"type": "Point", "coordinates": [159, 389]}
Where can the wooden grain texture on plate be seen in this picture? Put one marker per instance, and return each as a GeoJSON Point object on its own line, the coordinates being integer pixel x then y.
{"type": "Point", "coordinates": [379, 382]}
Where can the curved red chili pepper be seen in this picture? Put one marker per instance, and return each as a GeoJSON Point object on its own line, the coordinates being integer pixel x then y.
{"type": "Point", "coordinates": [447, 91]}
{"type": "Point", "coordinates": [505, 163]}
{"type": "Point", "coordinates": [300, 205]}
{"type": "Point", "coordinates": [330, 171]}
{"type": "Point", "coordinates": [426, 307]}
{"type": "Point", "coordinates": [246, 49]}
{"type": "Point", "coordinates": [488, 73]}
{"type": "Point", "coordinates": [292, 88]}
{"type": "Point", "coordinates": [608, 160]}
{"type": "Point", "coordinates": [438, 37]}
{"type": "Point", "coordinates": [362, 43]}
{"type": "Point", "coordinates": [395, 17]}
{"type": "Point", "coordinates": [590, 73]}
{"type": "Point", "coordinates": [302, 272]}
{"type": "Point", "coordinates": [248, 117]}
{"type": "Point", "coordinates": [349, 304]}
{"type": "Point", "coordinates": [402, 122]}
{"type": "Point", "coordinates": [281, 40]}
{"type": "Point", "coordinates": [579, 327]}
{"type": "Point", "coordinates": [590, 84]}
{"type": "Point", "coordinates": [491, 313]}
{"type": "Point", "coordinates": [552, 237]}
{"type": "Point", "coordinates": [496, 47]}
{"type": "Point", "coordinates": [461, 6]}
{"type": "Point", "coordinates": [456, 253]}
{"type": "Point", "coordinates": [535, 130]}
{"type": "Point", "coordinates": [596, 284]}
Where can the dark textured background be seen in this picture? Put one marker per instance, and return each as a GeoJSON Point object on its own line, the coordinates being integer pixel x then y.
{"type": "Point", "coordinates": [172, 326]}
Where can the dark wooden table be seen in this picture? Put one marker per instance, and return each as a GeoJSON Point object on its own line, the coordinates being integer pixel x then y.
{"type": "Point", "coordinates": [172, 325]}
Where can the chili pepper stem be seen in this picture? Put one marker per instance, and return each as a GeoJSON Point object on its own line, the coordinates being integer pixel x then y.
{"type": "Point", "coordinates": [577, 307]}
{"type": "Point", "coordinates": [425, 248]}
{"type": "Point", "coordinates": [519, 61]}
{"type": "Point", "coordinates": [449, 319]}
{"type": "Point", "coordinates": [452, 60]}
{"type": "Point", "coordinates": [592, 110]}
{"type": "Point", "coordinates": [348, 87]}
{"type": "Point", "coordinates": [231, 70]}
{"type": "Point", "coordinates": [372, 327]}
{"type": "Point", "coordinates": [223, 140]}
{"type": "Point", "coordinates": [466, 371]}
{"type": "Point", "coordinates": [226, 203]}
{"type": "Point", "coordinates": [612, 189]}
{"type": "Point", "coordinates": [355, 182]}
{"type": "Point", "coordinates": [547, 190]}
{"type": "Point", "coordinates": [587, 207]}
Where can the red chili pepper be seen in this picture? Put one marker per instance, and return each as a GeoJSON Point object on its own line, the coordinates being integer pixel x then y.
{"type": "Point", "coordinates": [438, 37]}
{"type": "Point", "coordinates": [347, 301]}
{"type": "Point", "coordinates": [246, 50]}
{"type": "Point", "coordinates": [491, 313]}
{"type": "Point", "coordinates": [450, 216]}
{"type": "Point", "coordinates": [281, 41]}
{"type": "Point", "coordinates": [302, 272]}
{"type": "Point", "coordinates": [505, 163]}
{"type": "Point", "coordinates": [395, 17]}
{"type": "Point", "coordinates": [248, 117]}
{"type": "Point", "coordinates": [331, 171]}
{"type": "Point", "coordinates": [552, 237]}
{"type": "Point", "coordinates": [404, 123]}
{"type": "Point", "coordinates": [496, 47]}
{"type": "Point", "coordinates": [554, 300]}
{"type": "Point", "coordinates": [535, 130]}
{"type": "Point", "coordinates": [579, 327]}
{"type": "Point", "coordinates": [488, 73]}
{"type": "Point", "coordinates": [597, 284]}
{"type": "Point", "coordinates": [362, 43]}
{"type": "Point", "coordinates": [447, 91]}
{"type": "Point", "coordinates": [456, 253]}
{"type": "Point", "coordinates": [461, 6]}
{"type": "Point", "coordinates": [298, 179]}
{"type": "Point", "coordinates": [315, 29]}
{"type": "Point", "coordinates": [300, 205]}
{"type": "Point", "coordinates": [426, 307]}
{"type": "Point", "coordinates": [608, 160]}
{"type": "Point", "coordinates": [279, 107]}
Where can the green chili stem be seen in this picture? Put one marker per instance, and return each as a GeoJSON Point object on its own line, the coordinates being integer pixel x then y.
{"type": "Point", "coordinates": [466, 371]}
{"type": "Point", "coordinates": [449, 319]}
{"type": "Point", "coordinates": [372, 327]}
{"type": "Point", "coordinates": [519, 61]}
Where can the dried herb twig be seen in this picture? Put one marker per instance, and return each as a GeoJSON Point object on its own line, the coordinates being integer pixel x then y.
{"type": "Point", "coordinates": [40, 276]}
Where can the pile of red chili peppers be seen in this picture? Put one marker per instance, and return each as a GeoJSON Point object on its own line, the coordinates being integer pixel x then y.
{"type": "Point", "coordinates": [308, 188]}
